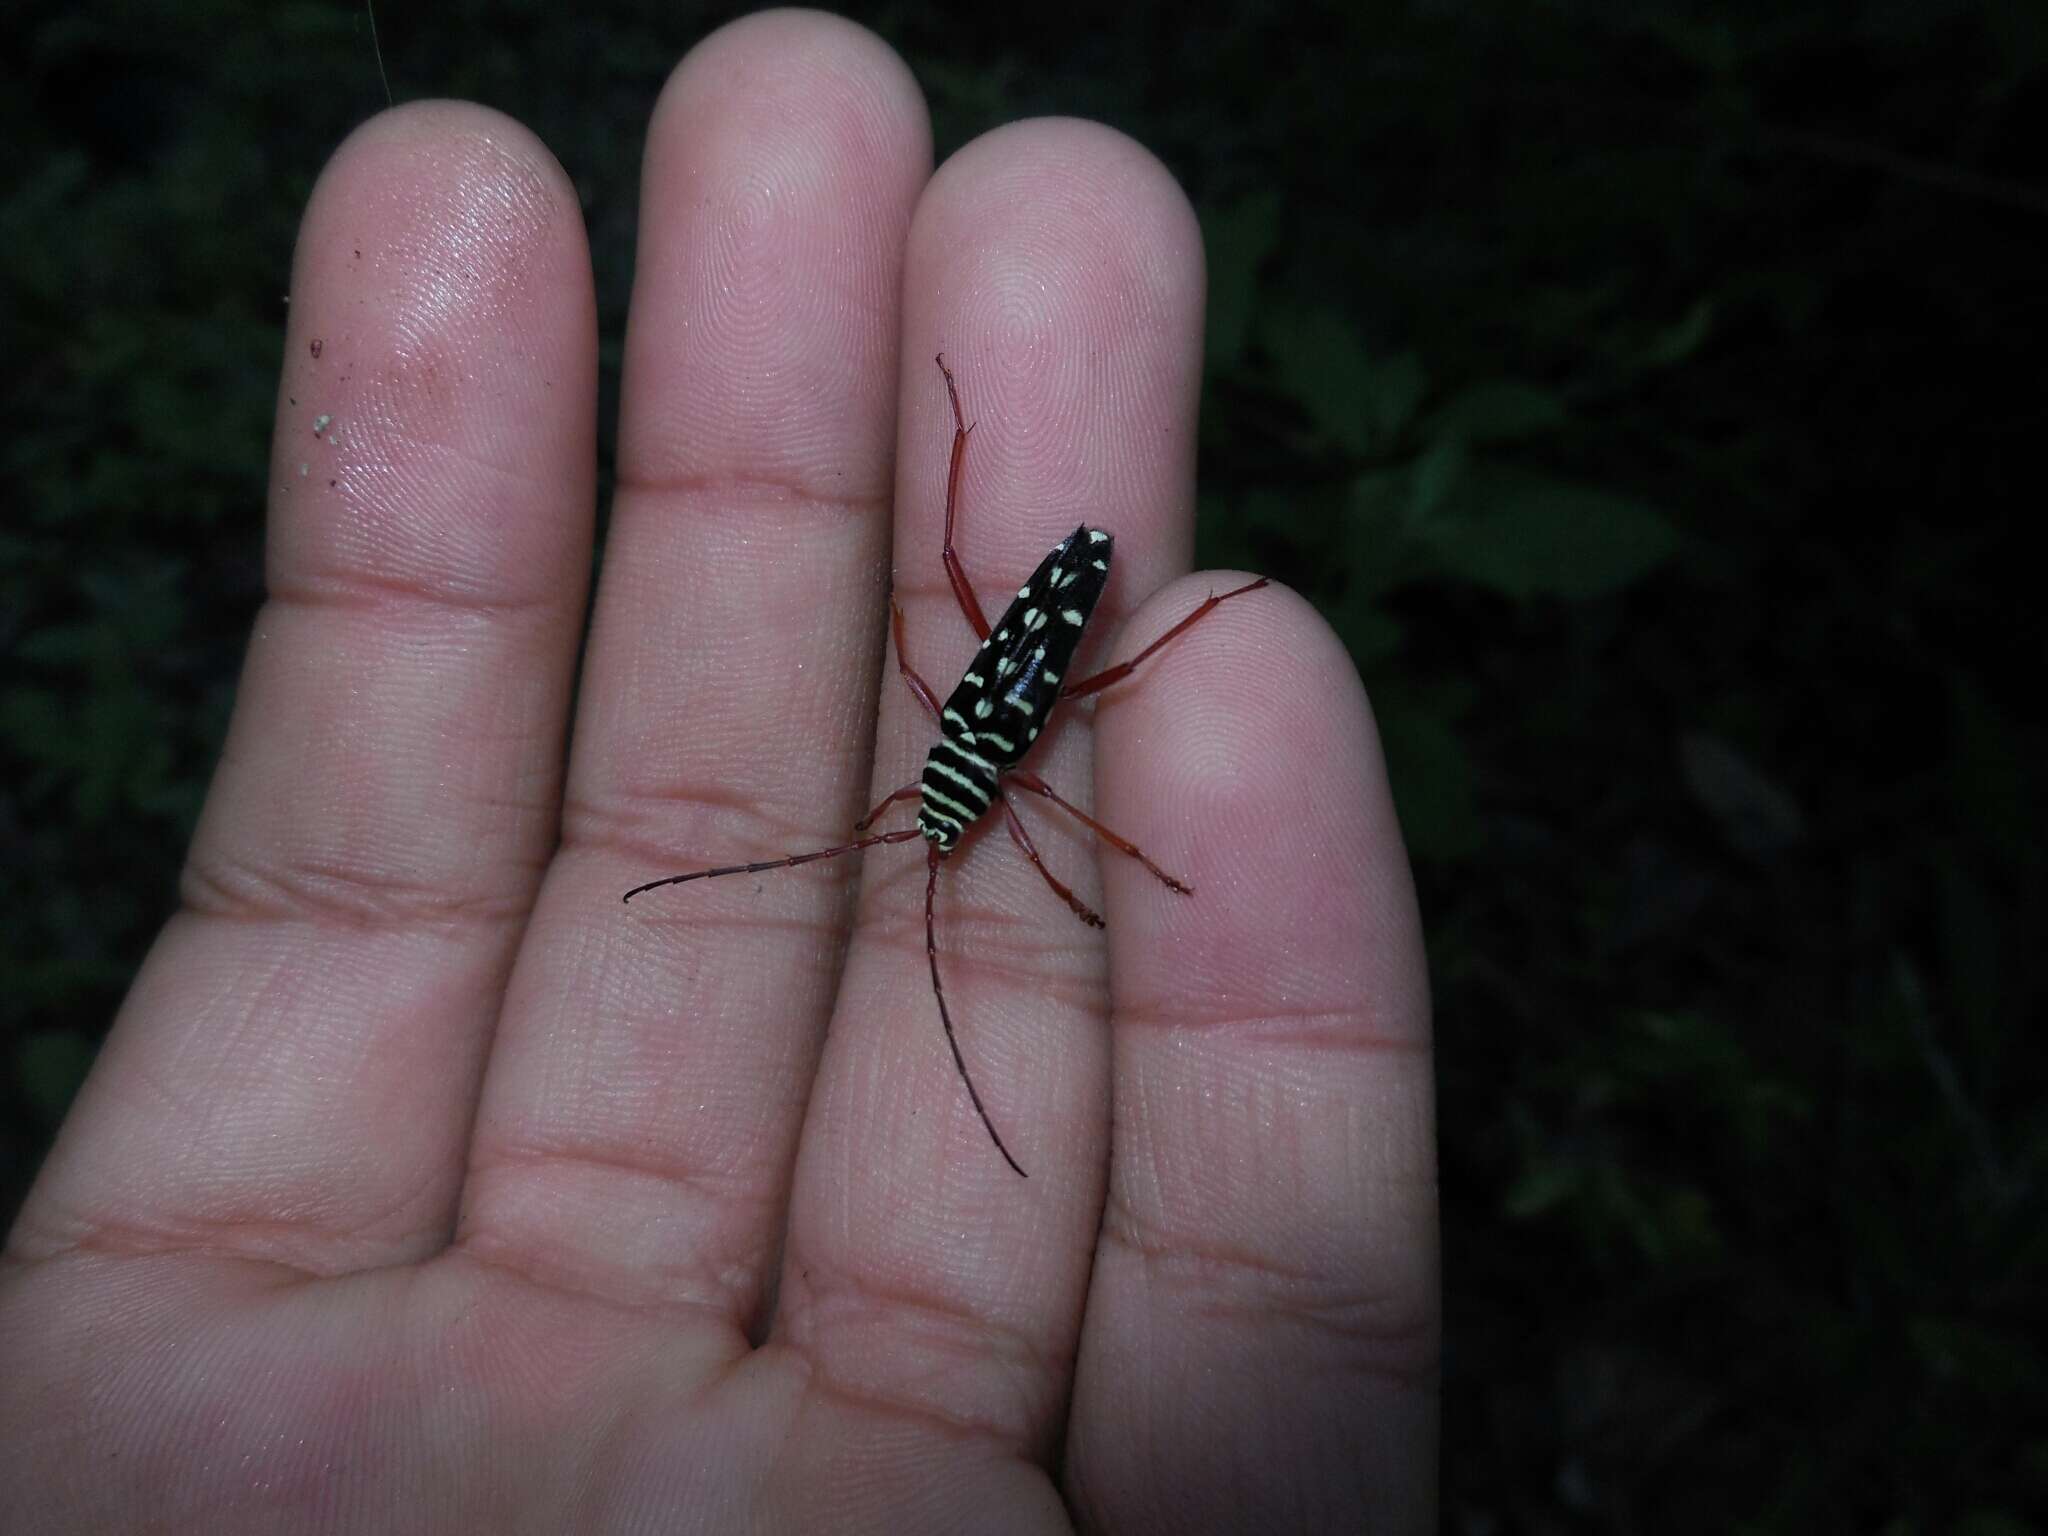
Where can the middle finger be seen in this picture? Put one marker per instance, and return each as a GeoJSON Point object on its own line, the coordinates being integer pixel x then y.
{"type": "Point", "coordinates": [1060, 267]}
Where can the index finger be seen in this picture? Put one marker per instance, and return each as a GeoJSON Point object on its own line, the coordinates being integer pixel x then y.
{"type": "Point", "coordinates": [296, 1066]}
{"type": "Point", "coordinates": [1058, 264]}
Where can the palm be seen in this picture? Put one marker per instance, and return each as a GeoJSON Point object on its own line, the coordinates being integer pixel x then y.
{"type": "Point", "coordinates": [423, 1186]}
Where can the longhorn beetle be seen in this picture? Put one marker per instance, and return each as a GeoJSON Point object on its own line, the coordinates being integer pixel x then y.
{"type": "Point", "coordinates": [986, 726]}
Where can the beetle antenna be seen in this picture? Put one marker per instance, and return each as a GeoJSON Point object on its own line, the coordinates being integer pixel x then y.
{"type": "Point", "coordinates": [902, 835]}
{"type": "Point", "coordinates": [931, 949]}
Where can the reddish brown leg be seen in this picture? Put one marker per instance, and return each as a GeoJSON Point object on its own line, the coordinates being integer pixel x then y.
{"type": "Point", "coordinates": [907, 792]}
{"type": "Point", "coordinates": [963, 589]}
{"type": "Point", "coordinates": [931, 950]}
{"type": "Point", "coordinates": [1124, 669]}
{"type": "Point", "coordinates": [918, 685]}
{"type": "Point", "coordinates": [1038, 786]}
{"type": "Point", "coordinates": [1022, 839]}
{"type": "Point", "coordinates": [903, 836]}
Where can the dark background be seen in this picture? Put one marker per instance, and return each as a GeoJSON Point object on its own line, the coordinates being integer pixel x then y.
{"type": "Point", "coordinates": [1651, 394]}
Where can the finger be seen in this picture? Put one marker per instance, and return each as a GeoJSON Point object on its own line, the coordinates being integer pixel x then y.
{"type": "Point", "coordinates": [1060, 268]}
{"type": "Point", "coordinates": [642, 1110]}
{"type": "Point", "coordinates": [1271, 1221]}
{"type": "Point", "coordinates": [296, 1067]}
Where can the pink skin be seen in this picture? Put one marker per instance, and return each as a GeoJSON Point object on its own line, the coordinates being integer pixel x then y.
{"type": "Point", "coordinates": [423, 1186]}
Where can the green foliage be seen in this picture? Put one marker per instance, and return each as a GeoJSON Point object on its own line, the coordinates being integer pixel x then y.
{"type": "Point", "coordinates": [1527, 535]}
{"type": "Point", "coordinates": [1630, 386]}
{"type": "Point", "coordinates": [1238, 240]}
{"type": "Point", "coordinates": [1361, 402]}
{"type": "Point", "coordinates": [1440, 499]}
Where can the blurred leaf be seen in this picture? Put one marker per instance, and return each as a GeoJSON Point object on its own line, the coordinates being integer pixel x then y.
{"type": "Point", "coordinates": [1541, 1187]}
{"type": "Point", "coordinates": [1993, 1522]}
{"type": "Point", "coordinates": [1990, 782]}
{"type": "Point", "coordinates": [2020, 40]}
{"type": "Point", "coordinates": [1675, 343]}
{"type": "Point", "coordinates": [1376, 552]}
{"type": "Point", "coordinates": [1526, 535]}
{"type": "Point", "coordinates": [1438, 473]}
{"type": "Point", "coordinates": [1360, 401]}
{"type": "Point", "coordinates": [1967, 1349]}
{"type": "Point", "coordinates": [1376, 540]}
{"type": "Point", "coordinates": [1497, 410]}
{"type": "Point", "coordinates": [1323, 365]}
{"type": "Point", "coordinates": [1370, 635]}
{"type": "Point", "coordinates": [64, 645]}
{"type": "Point", "coordinates": [1973, 935]}
{"type": "Point", "coordinates": [1393, 391]}
{"type": "Point", "coordinates": [1758, 815]}
{"type": "Point", "coordinates": [1677, 1225]}
{"type": "Point", "coordinates": [1705, 42]}
{"type": "Point", "coordinates": [33, 721]}
{"type": "Point", "coordinates": [1220, 534]}
{"type": "Point", "coordinates": [1433, 785]}
{"type": "Point", "coordinates": [1272, 511]}
{"type": "Point", "coordinates": [1237, 239]}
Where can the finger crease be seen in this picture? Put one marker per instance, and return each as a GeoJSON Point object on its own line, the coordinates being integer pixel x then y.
{"type": "Point", "coordinates": [228, 889]}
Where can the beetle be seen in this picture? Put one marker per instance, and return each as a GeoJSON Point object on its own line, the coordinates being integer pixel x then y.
{"type": "Point", "coordinates": [989, 723]}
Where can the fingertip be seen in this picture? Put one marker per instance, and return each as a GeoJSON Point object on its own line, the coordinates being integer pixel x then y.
{"type": "Point", "coordinates": [442, 330]}
{"type": "Point", "coordinates": [447, 214]}
{"type": "Point", "coordinates": [784, 157]}
{"type": "Point", "coordinates": [429, 128]}
{"type": "Point", "coordinates": [1076, 180]}
{"type": "Point", "coordinates": [1244, 757]}
{"type": "Point", "coordinates": [1058, 265]}
{"type": "Point", "coordinates": [813, 48]}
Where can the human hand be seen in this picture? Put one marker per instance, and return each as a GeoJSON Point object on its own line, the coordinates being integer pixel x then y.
{"type": "Point", "coordinates": [422, 1186]}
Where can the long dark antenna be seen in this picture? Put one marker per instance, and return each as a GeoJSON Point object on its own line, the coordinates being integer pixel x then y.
{"type": "Point", "coordinates": [902, 835]}
{"type": "Point", "coordinates": [370, 10]}
{"type": "Point", "coordinates": [931, 949]}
